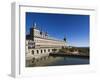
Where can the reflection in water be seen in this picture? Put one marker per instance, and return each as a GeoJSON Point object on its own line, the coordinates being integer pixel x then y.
{"type": "Point", "coordinates": [54, 61]}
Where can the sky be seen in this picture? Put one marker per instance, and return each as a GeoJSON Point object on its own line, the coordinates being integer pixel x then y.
{"type": "Point", "coordinates": [74, 27]}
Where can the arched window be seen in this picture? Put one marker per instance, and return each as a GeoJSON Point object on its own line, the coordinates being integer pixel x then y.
{"type": "Point", "coordinates": [37, 51]}
{"type": "Point", "coordinates": [44, 50]}
{"type": "Point", "coordinates": [41, 51]}
{"type": "Point", "coordinates": [54, 49]}
{"type": "Point", "coordinates": [48, 50]}
{"type": "Point", "coordinates": [33, 52]}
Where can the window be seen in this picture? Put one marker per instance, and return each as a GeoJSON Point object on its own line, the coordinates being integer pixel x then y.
{"type": "Point", "coordinates": [44, 50]}
{"type": "Point", "coordinates": [48, 50]}
{"type": "Point", "coordinates": [33, 47]}
{"type": "Point", "coordinates": [29, 47]}
{"type": "Point", "coordinates": [54, 49]}
{"type": "Point", "coordinates": [41, 51]}
{"type": "Point", "coordinates": [33, 52]}
{"type": "Point", "coordinates": [37, 51]}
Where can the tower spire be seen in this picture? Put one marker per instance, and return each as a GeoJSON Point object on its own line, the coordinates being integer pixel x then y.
{"type": "Point", "coordinates": [35, 24]}
{"type": "Point", "coordinates": [65, 38]}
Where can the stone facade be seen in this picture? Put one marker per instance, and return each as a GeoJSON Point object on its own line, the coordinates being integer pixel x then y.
{"type": "Point", "coordinates": [39, 44]}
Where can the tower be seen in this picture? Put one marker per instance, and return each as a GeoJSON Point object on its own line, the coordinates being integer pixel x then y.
{"type": "Point", "coordinates": [64, 39]}
{"type": "Point", "coordinates": [34, 31]}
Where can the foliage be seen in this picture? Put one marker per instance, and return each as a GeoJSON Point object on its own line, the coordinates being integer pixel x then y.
{"type": "Point", "coordinates": [81, 50]}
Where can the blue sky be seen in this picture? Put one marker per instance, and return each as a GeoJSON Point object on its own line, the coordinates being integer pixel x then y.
{"type": "Point", "coordinates": [74, 27]}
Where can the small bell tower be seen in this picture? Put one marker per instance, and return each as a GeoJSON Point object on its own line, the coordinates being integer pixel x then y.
{"type": "Point", "coordinates": [34, 31]}
{"type": "Point", "coordinates": [64, 39]}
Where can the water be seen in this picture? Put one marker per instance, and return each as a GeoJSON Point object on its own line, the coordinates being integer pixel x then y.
{"type": "Point", "coordinates": [71, 61]}
{"type": "Point", "coordinates": [56, 61]}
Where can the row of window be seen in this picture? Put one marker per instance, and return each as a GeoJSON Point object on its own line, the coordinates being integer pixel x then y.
{"type": "Point", "coordinates": [31, 47]}
{"type": "Point", "coordinates": [37, 51]}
